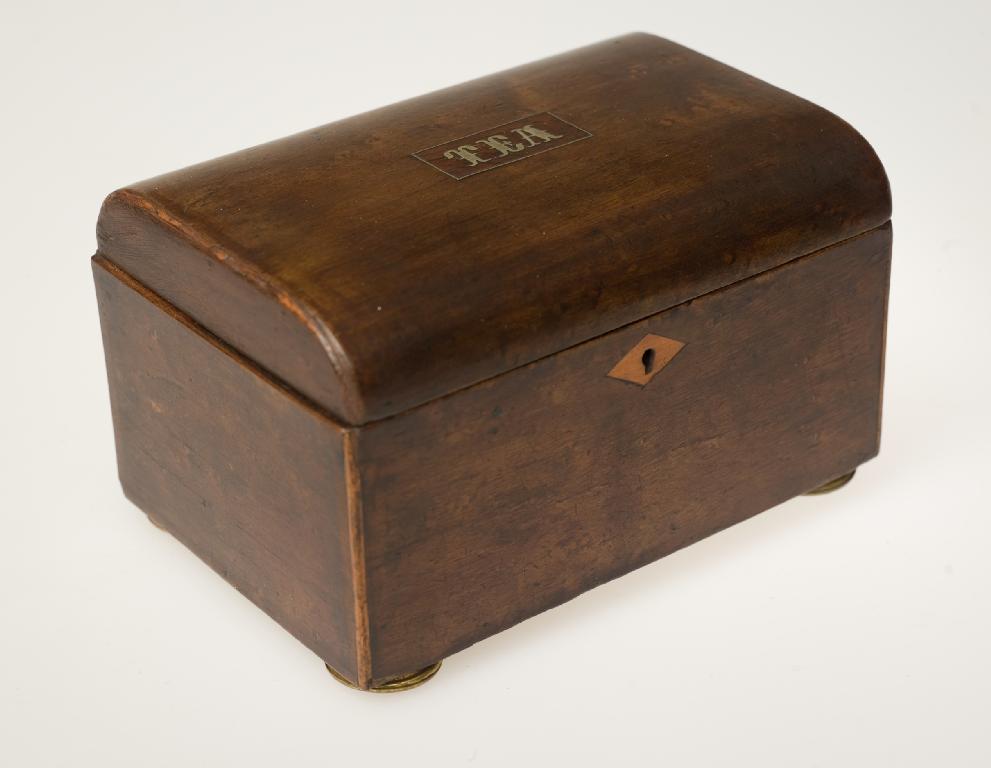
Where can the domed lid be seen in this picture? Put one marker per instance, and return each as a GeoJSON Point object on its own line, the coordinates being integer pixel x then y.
{"type": "Point", "coordinates": [385, 260]}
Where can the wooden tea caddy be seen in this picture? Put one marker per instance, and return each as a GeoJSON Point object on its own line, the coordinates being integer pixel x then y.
{"type": "Point", "coordinates": [410, 378]}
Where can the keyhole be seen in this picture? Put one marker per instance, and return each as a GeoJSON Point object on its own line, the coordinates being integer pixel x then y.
{"type": "Point", "coordinates": [648, 360]}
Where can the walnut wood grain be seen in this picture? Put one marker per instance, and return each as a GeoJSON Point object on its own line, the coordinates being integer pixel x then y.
{"type": "Point", "coordinates": [390, 400]}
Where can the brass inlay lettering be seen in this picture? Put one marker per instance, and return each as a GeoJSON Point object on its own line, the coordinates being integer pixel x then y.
{"type": "Point", "coordinates": [499, 146]}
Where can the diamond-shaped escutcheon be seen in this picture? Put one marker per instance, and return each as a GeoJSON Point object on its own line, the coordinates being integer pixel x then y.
{"type": "Point", "coordinates": [646, 359]}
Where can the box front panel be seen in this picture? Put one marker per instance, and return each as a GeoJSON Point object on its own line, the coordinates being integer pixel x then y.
{"type": "Point", "coordinates": [488, 506]}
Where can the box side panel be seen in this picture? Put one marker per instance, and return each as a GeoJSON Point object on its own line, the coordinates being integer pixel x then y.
{"type": "Point", "coordinates": [491, 505]}
{"type": "Point", "coordinates": [243, 472]}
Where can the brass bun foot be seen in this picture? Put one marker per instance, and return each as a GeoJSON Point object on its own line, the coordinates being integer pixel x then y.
{"type": "Point", "coordinates": [392, 685]}
{"type": "Point", "coordinates": [155, 521]}
{"type": "Point", "coordinates": [833, 485]}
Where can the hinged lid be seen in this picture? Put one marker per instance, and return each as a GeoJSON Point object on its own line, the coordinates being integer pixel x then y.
{"type": "Point", "coordinates": [394, 257]}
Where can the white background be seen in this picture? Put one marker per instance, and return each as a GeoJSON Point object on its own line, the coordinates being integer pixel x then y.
{"type": "Point", "coordinates": [845, 630]}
